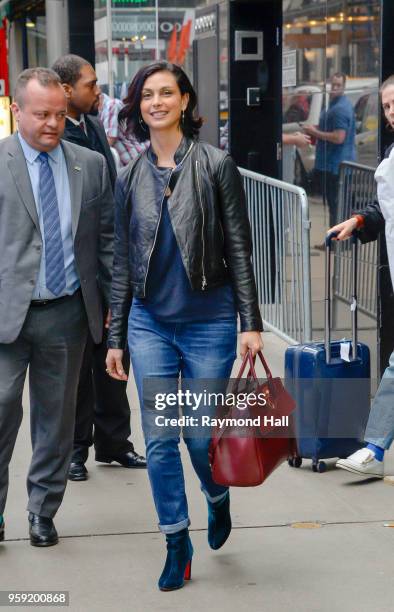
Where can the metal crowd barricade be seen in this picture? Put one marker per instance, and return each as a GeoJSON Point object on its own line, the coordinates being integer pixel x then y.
{"type": "Point", "coordinates": [357, 189]}
{"type": "Point", "coordinates": [279, 218]}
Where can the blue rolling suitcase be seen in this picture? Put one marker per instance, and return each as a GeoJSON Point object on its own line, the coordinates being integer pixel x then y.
{"type": "Point", "coordinates": [332, 393]}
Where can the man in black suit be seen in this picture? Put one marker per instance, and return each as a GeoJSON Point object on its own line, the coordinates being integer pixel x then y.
{"type": "Point", "coordinates": [102, 404]}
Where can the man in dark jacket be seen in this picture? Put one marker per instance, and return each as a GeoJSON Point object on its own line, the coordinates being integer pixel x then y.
{"type": "Point", "coordinates": [379, 433]}
{"type": "Point", "coordinates": [102, 402]}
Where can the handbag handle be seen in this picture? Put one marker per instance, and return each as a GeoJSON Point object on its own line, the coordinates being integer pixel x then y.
{"type": "Point", "coordinates": [251, 360]}
{"type": "Point", "coordinates": [247, 359]}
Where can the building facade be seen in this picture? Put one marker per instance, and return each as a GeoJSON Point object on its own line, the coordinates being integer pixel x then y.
{"type": "Point", "coordinates": [38, 31]}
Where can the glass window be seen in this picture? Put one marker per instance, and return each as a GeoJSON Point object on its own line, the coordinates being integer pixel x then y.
{"type": "Point", "coordinates": [142, 31]}
{"type": "Point", "coordinates": [36, 41]}
{"type": "Point", "coordinates": [321, 39]}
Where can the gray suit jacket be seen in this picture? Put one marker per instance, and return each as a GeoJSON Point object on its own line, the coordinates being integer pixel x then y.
{"type": "Point", "coordinates": [92, 209]}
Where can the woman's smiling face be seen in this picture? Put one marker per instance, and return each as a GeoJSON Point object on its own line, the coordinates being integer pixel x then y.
{"type": "Point", "coordinates": [162, 102]}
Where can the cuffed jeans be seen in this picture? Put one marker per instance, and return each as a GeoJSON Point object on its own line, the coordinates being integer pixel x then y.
{"type": "Point", "coordinates": [194, 350]}
{"type": "Point", "coordinates": [380, 426]}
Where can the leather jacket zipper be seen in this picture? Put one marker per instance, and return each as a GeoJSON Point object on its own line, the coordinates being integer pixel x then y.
{"type": "Point", "coordinates": [204, 280]}
{"type": "Point", "coordinates": [157, 229]}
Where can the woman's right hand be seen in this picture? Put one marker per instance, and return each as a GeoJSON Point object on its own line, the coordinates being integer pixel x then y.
{"type": "Point", "coordinates": [345, 229]}
{"type": "Point", "coordinates": [114, 364]}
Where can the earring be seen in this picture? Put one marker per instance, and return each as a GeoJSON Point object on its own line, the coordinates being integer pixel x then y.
{"type": "Point", "coordinates": [142, 124]}
{"type": "Point", "coordinates": [183, 117]}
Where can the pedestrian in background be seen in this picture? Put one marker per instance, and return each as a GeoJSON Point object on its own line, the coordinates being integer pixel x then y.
{"type": "Point", "coordinates": [368, 223]}
{"type": "Point", "coordinates": [126, 145]}
{"type": "Point", "coordinates": [56, 241]}
{"type": "Point", "coordinates": [183, 265]}
{"type": "Point", "coordinates": [335, 137]}
{"type": "Point", "coordinates": [103, 410]}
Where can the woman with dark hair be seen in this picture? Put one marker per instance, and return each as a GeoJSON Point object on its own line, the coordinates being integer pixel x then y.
{"type": "Point", "coordinates": [368, 224]}
{"type": "Point", "coordinates": [182, 271]}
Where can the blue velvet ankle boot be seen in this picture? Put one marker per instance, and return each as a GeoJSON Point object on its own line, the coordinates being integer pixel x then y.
{"type": "Point", "coordinates": [177, 568]}
{"type": "Point", "coordinates": [219, 522]}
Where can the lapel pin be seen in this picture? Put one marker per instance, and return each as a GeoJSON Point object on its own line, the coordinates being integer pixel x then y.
{"type": "Point", "coordinates": [77, 168]}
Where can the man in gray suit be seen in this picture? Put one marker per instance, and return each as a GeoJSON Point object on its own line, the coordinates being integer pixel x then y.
{"type": "Point", "coordinates": [56, 240]}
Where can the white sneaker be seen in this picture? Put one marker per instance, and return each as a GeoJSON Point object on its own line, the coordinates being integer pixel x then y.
{"type": "Point", "coordinates": [362, 462]}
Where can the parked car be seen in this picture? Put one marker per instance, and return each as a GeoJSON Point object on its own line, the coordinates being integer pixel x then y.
{"type": "Point", "coordinates": [304, 105]}
{"type": "Point", "coordinates": [367, 110]}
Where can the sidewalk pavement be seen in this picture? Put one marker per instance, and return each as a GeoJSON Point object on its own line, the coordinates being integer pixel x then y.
{"type": "Point", "coordinates": [110, 554]}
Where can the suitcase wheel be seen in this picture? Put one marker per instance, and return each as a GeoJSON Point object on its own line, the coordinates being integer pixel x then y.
{"type": "Point", "coordinates": [295, 461]}
{"type": "Point", "coordinates": [320, 467]}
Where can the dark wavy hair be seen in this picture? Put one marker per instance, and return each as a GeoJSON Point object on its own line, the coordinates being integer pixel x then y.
{"type": "Point", "coordinates": [130, 115]}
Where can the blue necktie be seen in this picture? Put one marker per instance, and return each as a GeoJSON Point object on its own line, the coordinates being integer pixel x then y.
{"type": "Point", "coordinates": [54, 256]}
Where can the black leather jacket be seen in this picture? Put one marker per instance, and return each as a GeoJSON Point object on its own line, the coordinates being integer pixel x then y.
{"type": "Point", "coordinates": [209, 217]}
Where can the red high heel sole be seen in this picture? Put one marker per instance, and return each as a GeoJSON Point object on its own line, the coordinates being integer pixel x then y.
{"type": "Point", "coordinates": [188, 571]}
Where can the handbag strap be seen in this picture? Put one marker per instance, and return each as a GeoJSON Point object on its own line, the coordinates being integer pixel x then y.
{"type": "Point", "coordinates": [265, 365]}
{"type": "Point", "coordinates": [248, 359]}
{"type": "Point", "coordinates": [251, 360]}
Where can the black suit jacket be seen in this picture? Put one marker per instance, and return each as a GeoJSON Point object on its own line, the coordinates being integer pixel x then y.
{"type": "Point", "coordinates": [96, 141]}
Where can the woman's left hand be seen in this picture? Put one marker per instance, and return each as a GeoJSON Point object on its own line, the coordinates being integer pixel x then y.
{"type": "Point", "coordinates": [251, 340]}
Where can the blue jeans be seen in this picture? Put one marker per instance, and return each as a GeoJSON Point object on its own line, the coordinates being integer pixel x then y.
{"type": "Point", "coordinates": [380, 426]}
{"type": "Point", "coordinates": [194, 350]}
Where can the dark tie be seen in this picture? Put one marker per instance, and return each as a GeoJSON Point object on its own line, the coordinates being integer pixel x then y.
{"type": "Point", "coordinates": [54, 257]}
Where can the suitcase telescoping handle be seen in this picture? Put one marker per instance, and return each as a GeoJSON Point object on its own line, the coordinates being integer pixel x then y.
{"type": "Point", "coordinates": [327, 299]}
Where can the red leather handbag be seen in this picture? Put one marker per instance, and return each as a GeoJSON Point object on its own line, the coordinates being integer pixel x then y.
{"type": "Point", "coordinates": [244, 454]}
